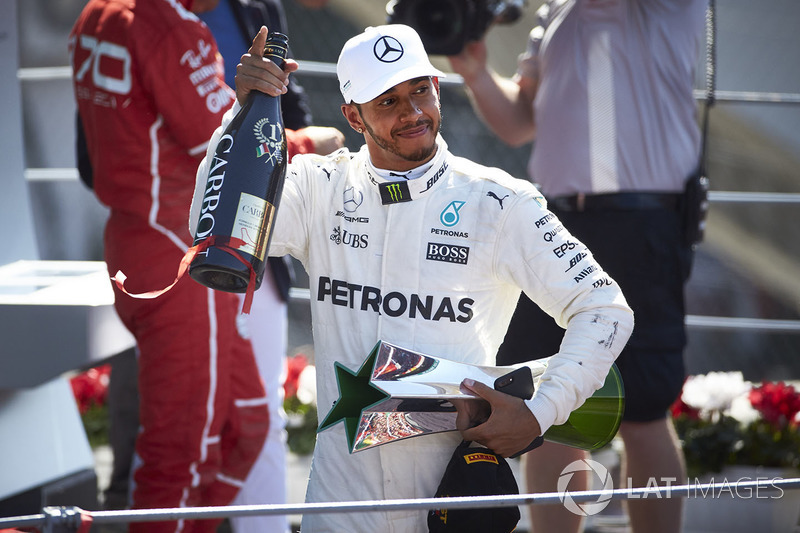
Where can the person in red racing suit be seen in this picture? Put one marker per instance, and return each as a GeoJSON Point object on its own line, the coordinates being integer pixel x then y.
{"type": "Point", "coordinates": [150, 92]}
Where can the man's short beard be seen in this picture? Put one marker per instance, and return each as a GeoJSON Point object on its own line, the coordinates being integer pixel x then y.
{"type": "Point", "coordinates": [420, 155]}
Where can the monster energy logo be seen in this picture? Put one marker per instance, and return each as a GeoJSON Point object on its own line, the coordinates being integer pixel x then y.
{"type": "Point", "coordinates": [394, 192]}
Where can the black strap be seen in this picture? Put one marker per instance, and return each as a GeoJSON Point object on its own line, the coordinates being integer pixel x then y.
{"type": "Point", "coordinates": [538, 441]}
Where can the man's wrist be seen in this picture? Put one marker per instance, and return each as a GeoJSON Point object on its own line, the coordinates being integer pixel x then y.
{"type": "Point", "coordinates": [543, 410]}
{"type": "Point", "coordinates": [479, 79]}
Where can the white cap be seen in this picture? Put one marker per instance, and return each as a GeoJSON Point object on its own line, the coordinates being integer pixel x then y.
{"type": "Point", "coordinates": [378, 59]}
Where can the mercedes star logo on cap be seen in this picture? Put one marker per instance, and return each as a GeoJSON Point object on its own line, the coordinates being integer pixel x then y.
{"type": "Point", "coordinates": [388, 49]}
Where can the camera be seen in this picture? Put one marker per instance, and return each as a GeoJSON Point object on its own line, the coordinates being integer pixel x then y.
{"type": "Point", "coordinates": [445, 26]}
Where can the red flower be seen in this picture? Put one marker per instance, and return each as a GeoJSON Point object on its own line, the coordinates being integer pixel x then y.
{"type": "Point", "coordinates": [295, 366]}
{"type": "Point", "coordinates": [91, 387]}
{"type": "Point", "coordinates": [777, 402]}
{"type": "Point", "coordinates": [679, 407]}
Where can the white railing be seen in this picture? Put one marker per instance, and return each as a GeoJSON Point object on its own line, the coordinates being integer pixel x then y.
{"type": "Point", "coordinates": [71, 519]}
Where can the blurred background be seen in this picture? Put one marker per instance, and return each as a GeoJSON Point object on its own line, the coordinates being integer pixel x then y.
{"type": "Point", "coordinates": [747, 269]}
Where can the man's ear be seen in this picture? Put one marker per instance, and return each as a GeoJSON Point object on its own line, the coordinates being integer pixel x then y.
{"type": "Point", "coordinates": [435, 82]}
{"type": "Point", "coordinates": [353, 117]}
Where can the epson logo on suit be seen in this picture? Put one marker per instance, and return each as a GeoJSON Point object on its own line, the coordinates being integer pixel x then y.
{"type": "Point", "coordinates": [448, 253]}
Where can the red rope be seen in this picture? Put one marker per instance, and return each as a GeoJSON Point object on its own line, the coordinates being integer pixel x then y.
{"type": "Point", "coordinates": [226, 244]}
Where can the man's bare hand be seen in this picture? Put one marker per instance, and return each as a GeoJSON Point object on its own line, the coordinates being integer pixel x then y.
{"type": "Point", "coordinates": [471, 413]}
{"type": "Point", "coordinates": [257, 73]}
{"type": "Point", "coordinates": [510, 427]}
{"type": "Point", "coordinates": [325, 139]}
{"type": "Point", "coordinates": [471, 61]}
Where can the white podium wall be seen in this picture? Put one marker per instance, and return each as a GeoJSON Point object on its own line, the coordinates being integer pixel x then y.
{"type": "Point", "coordinates": [39, 423]}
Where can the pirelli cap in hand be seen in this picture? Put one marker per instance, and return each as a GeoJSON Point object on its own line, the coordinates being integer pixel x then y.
{"type": "Point", "coordinates": [378, 59]}
{"type": "Point", "coordinates": [475, 471]}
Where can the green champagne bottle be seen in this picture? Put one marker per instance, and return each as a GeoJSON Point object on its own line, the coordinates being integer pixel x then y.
{"type": "Point", "coordinates": [593, 424]}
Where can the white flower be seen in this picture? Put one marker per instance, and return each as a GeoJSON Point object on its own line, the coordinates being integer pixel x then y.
{"type": "Point", "coordinates": [743, 411]}
{"type": "Point", "coordinates": [714, 391]}
{"type": "Point", "coordinates": [307, 386]}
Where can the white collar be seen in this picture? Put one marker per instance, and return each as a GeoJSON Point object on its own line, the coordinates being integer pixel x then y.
{"type": "Point", "coordinates": [395, 189]}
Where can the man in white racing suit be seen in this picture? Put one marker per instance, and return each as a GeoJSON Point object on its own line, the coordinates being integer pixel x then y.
{"type": "Point", "coordinates": [407, 243]}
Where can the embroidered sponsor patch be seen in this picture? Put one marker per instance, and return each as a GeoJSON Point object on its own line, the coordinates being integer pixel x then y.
{"type": "Point", "coordinates": [447, 253]}
{"type": "Point", "coordinates": [394, 192]}
{"type": "Point", "coordinates": [480, 458]}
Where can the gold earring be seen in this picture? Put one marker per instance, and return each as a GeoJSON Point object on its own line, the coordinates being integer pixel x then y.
{"type": "Point", "coordinates": [360, 130]}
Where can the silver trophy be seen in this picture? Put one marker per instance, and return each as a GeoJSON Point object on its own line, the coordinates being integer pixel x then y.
{"type": "Point", "coordinates": [398, 394]}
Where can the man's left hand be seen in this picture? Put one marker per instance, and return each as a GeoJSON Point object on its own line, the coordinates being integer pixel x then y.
{"type": "Point", "coordinates": [257, 73]}
{"type": "Point", "coordinates": [510, 427]}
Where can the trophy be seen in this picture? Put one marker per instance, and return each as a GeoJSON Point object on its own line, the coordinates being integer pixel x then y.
{"type": "Point", "coordinates": [398, 394]}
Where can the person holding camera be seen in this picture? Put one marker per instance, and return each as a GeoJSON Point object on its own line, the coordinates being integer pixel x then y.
{"type": "Point", "coordinates": [371, 228]}
{"type": "Point", "coordinates": [605, 90]}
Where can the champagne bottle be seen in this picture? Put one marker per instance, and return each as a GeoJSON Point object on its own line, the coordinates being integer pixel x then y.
{"type": "Point", "coordinates": [592, 425]}
{"type": "Point", "coordinates": [243, 190]}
